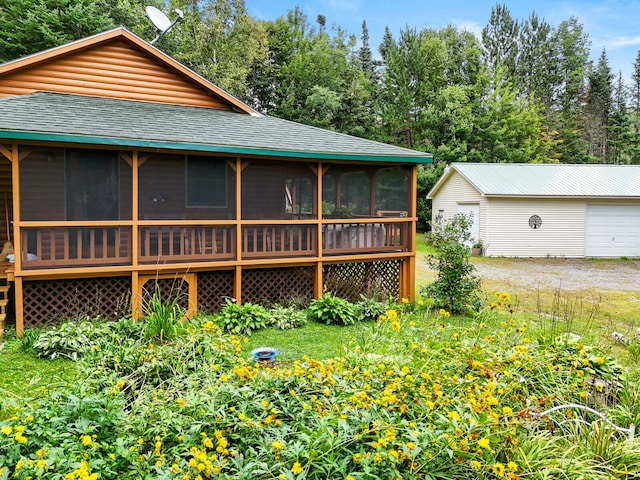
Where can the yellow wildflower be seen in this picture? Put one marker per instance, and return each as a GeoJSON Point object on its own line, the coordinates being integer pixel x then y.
{"type": "Point", "coordinates": [296, 469]}
{"type": "Point", "coordinates": [86, 440]}
{"type": "Point", "coordinates": [395, 326]}
{"type": "Point", "coordinates": [484, 443]}
{"type": "Point", "coordinates": [7, 430]}
{"type": "Point", "coordinates": [498, 469]}
{"type": "Point", "coordinates": [392, 315]}
{"type": "Point", "coordinates": [277, 446]}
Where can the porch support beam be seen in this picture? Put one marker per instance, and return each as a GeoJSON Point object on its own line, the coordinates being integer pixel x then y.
{"type": "Point", "coordinates": [6, 152]}
{"type": "Point", "coordinates": [17, 241]}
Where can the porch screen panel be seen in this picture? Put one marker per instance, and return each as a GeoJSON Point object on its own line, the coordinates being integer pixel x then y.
{"type": "Point", "coordinates": [92, 185]}
{"type": "Point", "coordinates": [180, 187]}
{"type": "Point", "coordinates": [278, 190]}
{"type": "Point", "coordinates": [42, 184]}
{"type": "Point", "coordinates": [392, 192]}
{"type": "Point", "coordinates": [346, 191]}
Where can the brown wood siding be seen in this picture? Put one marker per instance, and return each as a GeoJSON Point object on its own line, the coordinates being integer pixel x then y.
{"type": "Point", "coordinates": [114, 69]}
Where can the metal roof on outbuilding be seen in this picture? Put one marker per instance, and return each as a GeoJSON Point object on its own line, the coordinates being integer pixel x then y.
{"type": "Point", "coordinates": [547, 180]}
{"type": "Point", "coordinates": [56, 117]}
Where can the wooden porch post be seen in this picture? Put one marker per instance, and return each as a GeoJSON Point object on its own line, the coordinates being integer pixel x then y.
{"type": "Point", "coordinates": [237, 277]}
{"type": "Point", "coordinates": [136, 288]}
{"type": "Point", "coordinates": [17, 244]}
{"type": "Point", "coordinates": [317, 283]}
{"type": "Point", "coordinates": [410, 273]}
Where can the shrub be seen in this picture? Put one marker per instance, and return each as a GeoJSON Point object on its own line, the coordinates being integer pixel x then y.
{"type": "Point", "coordinates": [369, 309]}
{"type": "Point", "coordinates": [242, 318]}
{"type": "Point", "coordinates": [456, 287]}
{"type": "Point", "coordinates": [71, 339]}
{"type": "Point", "coordinates": [287, 317]}
{"type": "Point", "coordinates": [332, 310]}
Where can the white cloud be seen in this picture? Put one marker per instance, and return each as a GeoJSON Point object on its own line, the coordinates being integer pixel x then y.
{"type": "Point", "coordinates": [621, 42]}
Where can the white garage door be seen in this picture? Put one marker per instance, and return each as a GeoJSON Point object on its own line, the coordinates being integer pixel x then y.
{"type": "Point", "coordinates": [612, 231]}
{"type": "Point", "coordinates": [474, 210]}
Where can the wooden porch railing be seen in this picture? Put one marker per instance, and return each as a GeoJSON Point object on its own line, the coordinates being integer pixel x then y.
{"type": "Point", "coordinates": [83, 246]}
{"type": "Point", "coordinates": [186, 243]}
{"type": "Point", "coordinates": [360, 237]}
{"type": "Point", "coordinates": [50, 247]}
{"type": "Point", "coordinates": [265, 241]}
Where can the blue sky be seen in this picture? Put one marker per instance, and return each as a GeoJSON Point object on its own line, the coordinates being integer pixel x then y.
{"type": "Point", "coordinates": [612, 24]}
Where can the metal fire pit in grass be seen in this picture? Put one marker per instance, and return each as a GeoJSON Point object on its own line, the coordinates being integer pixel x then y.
{"type": "Point", "coordinates": [265, 356]}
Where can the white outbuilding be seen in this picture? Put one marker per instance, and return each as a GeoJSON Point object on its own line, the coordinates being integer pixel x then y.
{"type": "Point", "coordinates": [545, 210]}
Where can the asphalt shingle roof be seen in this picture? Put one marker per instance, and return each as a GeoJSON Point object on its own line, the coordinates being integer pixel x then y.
{"type": "Point", "coordinates": [107, 121]}
{"type": "Point", "coordinates": [552, 180]}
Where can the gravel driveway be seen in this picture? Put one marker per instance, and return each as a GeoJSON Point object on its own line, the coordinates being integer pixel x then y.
{"type": "Point", "coordinates": [567, 274]}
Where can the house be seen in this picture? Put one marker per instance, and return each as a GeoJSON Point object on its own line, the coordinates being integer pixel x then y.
{"type": "Point", "coordinates": [121, 170]}
{"type": "Point", "coordinates": [540, 210]}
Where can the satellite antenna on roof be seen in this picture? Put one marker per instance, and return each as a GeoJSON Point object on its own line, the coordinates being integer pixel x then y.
{"type": "Point", "coordinates": [161, 21]}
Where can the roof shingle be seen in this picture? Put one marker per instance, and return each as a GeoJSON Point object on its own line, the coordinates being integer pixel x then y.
{"type": "Point", "coordinates": [107, 121]}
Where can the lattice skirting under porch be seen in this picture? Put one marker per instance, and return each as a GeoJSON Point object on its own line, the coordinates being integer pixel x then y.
{"type": "Point", "coordinates": [213, 288]}
{"type": "Point", "coordinates": [349, 280]}
{"type": "Point", "coordinates": [278, 285]}
{"type": "Point", "coordinates": [46, 302]}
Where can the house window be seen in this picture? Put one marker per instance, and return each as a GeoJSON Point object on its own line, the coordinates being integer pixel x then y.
{"type": "Point", "coordinates": [206, 182]}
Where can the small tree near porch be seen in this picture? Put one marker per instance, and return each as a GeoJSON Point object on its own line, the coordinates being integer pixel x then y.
{"type": "Point", "coordinates": [456, 286]}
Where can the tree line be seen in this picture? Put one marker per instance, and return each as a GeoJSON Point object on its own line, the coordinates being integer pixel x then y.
{"type": "Point", "coordinates": [525, 91]}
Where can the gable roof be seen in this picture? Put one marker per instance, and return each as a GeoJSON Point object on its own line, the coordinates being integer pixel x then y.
{"type": "Point", "coordinates": [114, 63]}
{"type": "Point", "coordinates": [547, 180]}
{"type": "Point", "coordinates": [55, 117]}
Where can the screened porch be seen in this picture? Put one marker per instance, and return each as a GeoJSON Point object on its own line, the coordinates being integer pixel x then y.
{"type": "Point", "coordinates": [95, 208]}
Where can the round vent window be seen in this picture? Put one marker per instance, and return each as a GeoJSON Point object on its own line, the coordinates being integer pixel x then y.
{"type": "Point", "coordinates": [535, 221]}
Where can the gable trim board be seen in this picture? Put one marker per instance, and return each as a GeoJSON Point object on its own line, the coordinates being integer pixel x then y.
{"type": "Point", "coordinates": [585, 210]}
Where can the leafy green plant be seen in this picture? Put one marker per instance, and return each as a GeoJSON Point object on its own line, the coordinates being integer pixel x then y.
{"type": "Point", "coordinates": [456, 287]}
{"type": "Point", "coordinates": [332, 310]}
{"type": "Point", "coordinates": [163, 317]}
{"type": "Point", "coordinates": [242, 318]}
{"type": "Point", "coordinates": [369, 309]}
{"type": "Point", "coordinates": [286, 318]}
{"type": "Point", "coordinates": [71, 339]}
{"type": "Point", "coordinates": [29, 337]}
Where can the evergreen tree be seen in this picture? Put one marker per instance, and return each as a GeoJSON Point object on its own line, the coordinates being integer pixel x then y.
{"type": "Point", "coordinates": [500, 40]}
{"type": "Point", "coordinates": [536, 69]}
{"type": "Point", "coordinates": [598, 109]}
{"type": "Point", "coordinates": [572, 47]}
{"type": "Point", "coordinates": [29, 26]}
{"type": "Point", "coordinates": [620, 130]}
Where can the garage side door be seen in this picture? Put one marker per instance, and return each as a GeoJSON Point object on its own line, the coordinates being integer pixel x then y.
{"type": "Point", "coordinates": [612, 231]}
{"type": "Point", "coordinates": [474, 210]}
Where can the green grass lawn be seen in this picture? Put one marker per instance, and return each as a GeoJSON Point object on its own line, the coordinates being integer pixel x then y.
{"type": "Point", "coordinates": [314, 340]}
{"type": "Point", "coordinates": [26, 378]}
